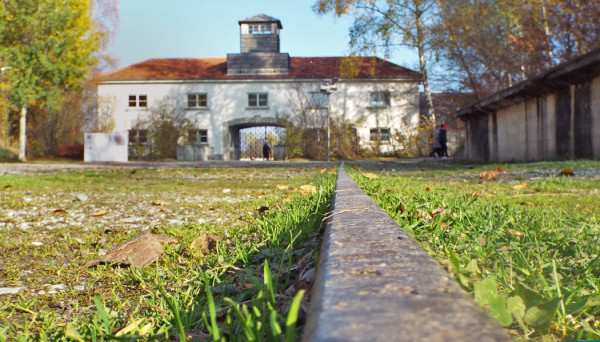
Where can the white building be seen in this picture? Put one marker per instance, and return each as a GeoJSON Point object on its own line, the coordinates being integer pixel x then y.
{"type": "Point", "coordinates": [221, 96]}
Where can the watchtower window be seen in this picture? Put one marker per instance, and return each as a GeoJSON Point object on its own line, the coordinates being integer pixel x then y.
{"type": "Point", "coordinates": [259, 29]}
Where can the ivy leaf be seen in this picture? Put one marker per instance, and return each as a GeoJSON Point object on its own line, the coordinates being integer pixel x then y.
{"type": "Point", "coordinates": [516, 306]}
{"type": "Point", "coordinates": [499, 311]}
{"type": "Point", "coordinates": [529, 296]}
{"type": "Point", "coordinates": [484, 290]}
{"type": "Point", "coordinates": [542, 314]}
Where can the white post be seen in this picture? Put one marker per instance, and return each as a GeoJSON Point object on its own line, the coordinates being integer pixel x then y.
{"type": "Point", "coordinates": [328, 129]}
{"type": "Point", "coordinates": [22, 133]}
{"type": "Point", "coordinates": [328, 88]}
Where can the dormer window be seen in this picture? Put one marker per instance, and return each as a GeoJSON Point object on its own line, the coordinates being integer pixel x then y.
{"type": "Point", "coordinates": [259, 29]}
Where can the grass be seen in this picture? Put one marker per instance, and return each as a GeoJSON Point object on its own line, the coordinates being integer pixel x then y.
{"type": "Point", "coordinates": [8, 156]}
{"type": "Point", "coordinates": [267, 222]}
{"type": "Point", "coordinates": [527, 245]}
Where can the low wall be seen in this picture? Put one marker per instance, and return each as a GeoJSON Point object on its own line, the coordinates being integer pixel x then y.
{"type": "Point", "coordinates": [375, 283]}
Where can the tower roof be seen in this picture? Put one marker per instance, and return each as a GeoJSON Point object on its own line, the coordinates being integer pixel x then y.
{"type": "Point", "coordinates": [262, 18]}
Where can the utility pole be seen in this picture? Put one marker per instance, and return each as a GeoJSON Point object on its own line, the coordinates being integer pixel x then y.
{"type": "Point", "coordinates": [327, 88]}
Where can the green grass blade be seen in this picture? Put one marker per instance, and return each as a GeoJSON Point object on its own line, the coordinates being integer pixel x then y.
{"type": "Point", "coordinates": [292, 317]}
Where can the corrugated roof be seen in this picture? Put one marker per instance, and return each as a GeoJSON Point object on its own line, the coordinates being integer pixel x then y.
{"type": "Point", "coordinates": [300, 68]}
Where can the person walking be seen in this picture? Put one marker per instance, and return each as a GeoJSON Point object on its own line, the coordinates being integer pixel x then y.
{"type": "Point", "coordinates": [437, 147]}
{"type": "Point", "coordinates": [443, 138]}
{"type": "Point", "coordinates": [266, 151]}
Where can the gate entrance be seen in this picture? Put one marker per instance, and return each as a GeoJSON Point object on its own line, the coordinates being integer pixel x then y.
{"type": "Point", "coordinates": [252, 140]}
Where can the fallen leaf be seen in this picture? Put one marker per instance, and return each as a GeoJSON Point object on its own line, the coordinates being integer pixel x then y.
{"type": "Point", "coordinates": [520, 186]}
{"type": "Point", "coordinates": [8, 186]}
{"type": "Point", "coordinates": [100, 213]}
{"type": "Point", "coordinates": [287, 200]}
{"type": "Point", "coordinates": [262, 209]}
{"type": "Point", "coordinates": [370, 175]}
{"type": "Point", "coordinates": [308, 189]}
{"type": "Point", "coordinates": [567, 172]}
{"type": "Point", "coordinates": [322, 170]}
{"type": "Point", "coordinates": [142, 250]}
{"type": "Point", "coordinates": [160, 203]}
{"type": "Point", "coordinates": [489, 174]}
{"type": "Point", "coordinates": [423, 215]}
{"type": "Point", "coordinates": [59, 211]}
{"type": "Point", "coordinates": [333, 172]}
{"type": "Point", "coordinates": [206, 243]}
{"type": "Point", "coordinates": [282, 187]}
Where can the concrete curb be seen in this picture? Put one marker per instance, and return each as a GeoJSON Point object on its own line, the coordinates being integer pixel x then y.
{"type": "Point", "coordinates": [375, 283]}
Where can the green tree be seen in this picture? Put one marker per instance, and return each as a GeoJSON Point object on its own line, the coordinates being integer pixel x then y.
{"type": "Point", "coordinates": [50, 45]}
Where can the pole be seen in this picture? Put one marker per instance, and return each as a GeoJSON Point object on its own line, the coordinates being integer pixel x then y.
{"type": "Point", "coordinates": [328, 129]}
{"type": "Point", "coordinates": [22, 133]}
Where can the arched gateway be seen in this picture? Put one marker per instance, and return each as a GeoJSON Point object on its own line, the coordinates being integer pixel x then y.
{"type": "Point", "coordinates": [243, 138]}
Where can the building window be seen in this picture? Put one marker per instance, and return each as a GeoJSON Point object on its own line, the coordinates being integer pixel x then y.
{"type": "Point", "coordinates": [380, 99]}
{"type": "Point", "coordinates": [138, 136]}
{"type": "Point", "coordinates": [317, 100]}
{"type": "Point", "coordinates": [380, 134]}
{"type": "Point", "coordinates": [197, 101]}
{"type": "Point", "coordinates": [138, 101]}
{"type": "Point", "coordinates": [198, 136]}
{"type": "Point", "coordinates": [259, 29]}
{"type": "Point", "coordinates": [257, 100]}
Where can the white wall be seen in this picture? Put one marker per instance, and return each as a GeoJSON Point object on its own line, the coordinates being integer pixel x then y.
{"type": "Point", "coordinates": [228, 101]}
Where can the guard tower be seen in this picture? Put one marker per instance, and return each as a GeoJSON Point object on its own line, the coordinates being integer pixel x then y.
{"type": "Point", "coordinates": [260, 55]}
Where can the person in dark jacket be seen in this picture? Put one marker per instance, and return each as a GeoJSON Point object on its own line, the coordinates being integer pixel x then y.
{"type": "Point", "coordinates": [266, 151]}
{"type": "Point", "coordinates": [437, 147]}
{"type": "Point", "coordinates": [443, 141]}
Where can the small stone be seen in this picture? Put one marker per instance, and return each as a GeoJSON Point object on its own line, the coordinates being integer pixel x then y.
{"type": "Point", "coordinates": [10, 290]}
{"type": "Point", "coordinates": [27, 199]}
{"type": "Point", "coordinates": [58, 287]}
{"type": "Point", "coordinates": [226, 191]}
{"type": "Point", "coordinates": [79, 288]}
{"type": "Point", "coordinates": [37, 243]}
{"type": "Point", "coordinates": [81, 197]}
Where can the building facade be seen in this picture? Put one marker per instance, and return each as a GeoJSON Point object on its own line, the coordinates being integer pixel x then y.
{"type": "Point", "coordinates": [258, 87]}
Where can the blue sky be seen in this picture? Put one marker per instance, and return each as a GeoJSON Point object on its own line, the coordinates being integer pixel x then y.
{"type": "Point", "coordinates": [209, 28]}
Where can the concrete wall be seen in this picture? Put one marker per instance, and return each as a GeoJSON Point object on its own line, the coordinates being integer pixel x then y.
{"type": "Point", "coordinates": [564, 124]}
{"type": "Point", "coordinates": [511, 127]}
{"type": "Point", "coordinates": [595, 108]}
{"type": "Point", "coordinates": [228, 101]}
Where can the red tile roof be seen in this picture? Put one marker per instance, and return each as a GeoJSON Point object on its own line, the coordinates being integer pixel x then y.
{"type": "Point", "coordinates": [300, 68]}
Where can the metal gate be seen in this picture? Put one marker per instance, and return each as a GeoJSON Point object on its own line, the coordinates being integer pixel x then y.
{"type": "Point", "coordinates": [252, 140]}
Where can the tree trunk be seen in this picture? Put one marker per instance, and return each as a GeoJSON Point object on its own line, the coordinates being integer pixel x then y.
{"type": "Point", "coordinates": [22, 133]}
{"type": "Point", "coordinates": [423, 67]}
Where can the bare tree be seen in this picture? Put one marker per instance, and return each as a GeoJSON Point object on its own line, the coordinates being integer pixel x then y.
{"type": "Point", "coordinates": [163, 126]}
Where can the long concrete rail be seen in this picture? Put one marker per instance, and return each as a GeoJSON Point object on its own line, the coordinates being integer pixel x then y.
{"type": "Point", "coordinates": [375, 283]}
